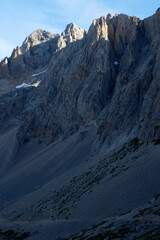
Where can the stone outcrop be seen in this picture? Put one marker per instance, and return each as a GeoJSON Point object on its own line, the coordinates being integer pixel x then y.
{"type": "Point", "coordinates": [4, 68]}
{"type": "Point", "coordinates": [72, 33]}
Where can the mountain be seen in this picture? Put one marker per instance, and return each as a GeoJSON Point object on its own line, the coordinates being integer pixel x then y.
{"type": "Point", "coordinates": [35, 54]}
{"type": "Point", "coordinates": [80, 132]}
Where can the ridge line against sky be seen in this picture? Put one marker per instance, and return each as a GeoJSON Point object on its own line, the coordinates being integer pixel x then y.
{"type": "Point", "coordinates": [19, 18]}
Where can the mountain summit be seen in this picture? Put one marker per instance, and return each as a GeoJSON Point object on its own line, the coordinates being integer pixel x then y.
{"type": "Point", "coordinates": [36, 53]}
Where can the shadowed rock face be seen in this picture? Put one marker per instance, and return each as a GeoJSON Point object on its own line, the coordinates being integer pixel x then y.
{"type": "Point", "coordinates": [122, 31]}
{"type": "Point", "coordinates": [134, 106]}
{"type": "Point", "coordinates": [108, 76]}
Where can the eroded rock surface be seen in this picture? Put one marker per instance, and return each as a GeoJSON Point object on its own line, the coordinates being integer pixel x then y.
{"type": "Point", "coordinates": [110, 75]}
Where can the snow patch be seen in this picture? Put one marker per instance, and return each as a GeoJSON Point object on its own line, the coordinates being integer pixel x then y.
{"type": "Point", "coordinates": [32, 84]}
{"type": "Point", "coordinates": [22, 85]}
{"type": "Point", "coordinates": [116, 63]}
{"type": "Point", "coordinates": [36, 74]}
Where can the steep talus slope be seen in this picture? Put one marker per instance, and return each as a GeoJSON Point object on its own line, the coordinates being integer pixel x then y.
{"type": "Point", "coordinates": [100, 191]}
{"type": "Point", "coordinates": [37, 162]}
{"type": "Point", "coordinates": [85, 140]}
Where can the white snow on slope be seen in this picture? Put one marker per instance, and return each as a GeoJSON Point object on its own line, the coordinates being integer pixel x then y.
{"type": "Point", "coordinates": [32, 84]}
{"type": "Point", "coordinates": [36, 84]}
{"type": "Point", "coordinates": [22, 85]}
{"type": "Point", "coordinates": [36, 74]}
{"type": "Point", "coordinates": [116, 63]}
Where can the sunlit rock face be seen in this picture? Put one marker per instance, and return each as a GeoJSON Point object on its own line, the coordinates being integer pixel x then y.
{"type": "Point", "coordinates": [71, 33]}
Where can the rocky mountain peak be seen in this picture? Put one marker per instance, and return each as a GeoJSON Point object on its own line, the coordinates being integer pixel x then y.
{"type": "Point", "coordinates": [152, 28]}
{"type": "Point", "coordinates": [74, 32]}
{"type": "Point", "coordinates": [5, 60]}
{"type": "Point", "coordinates": [70, 34]}
{"type": "Point", "coordinates": [16, 52]}
{"type": "Point", "coordinates": [98, 29]}
{"type": "Point", "coordinates": [158, 12]}
{"type": "Point", "coordinates": [35, 53]}
{"type": "Point", "coordinates": [37, 37]}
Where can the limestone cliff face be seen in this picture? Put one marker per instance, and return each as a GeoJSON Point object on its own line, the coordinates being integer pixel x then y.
{"type": "Point", "coordinates": [110, 76]}
{"type": "Point", "coordinates": [71, 33]}
{"type": "Point", "coordinates": [98, 30]}
{"type": "Point", "coordinates": [80, 80]}
{"type": "Point", "coordinates": [133, 110]}
{"type": "Point", "coordinates": [36, 53]}
{"type": "Point", "coordinates": [122, 31]}
{"type": "Point", "coordinates": [152, 28]}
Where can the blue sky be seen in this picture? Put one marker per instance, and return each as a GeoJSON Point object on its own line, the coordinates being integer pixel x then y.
{"type": "Point", "coordinates": [21, 17]}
